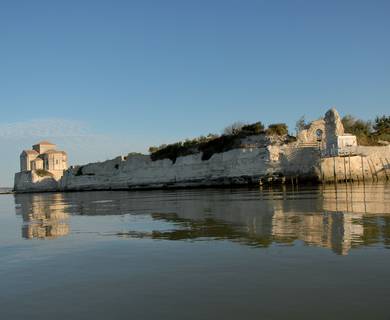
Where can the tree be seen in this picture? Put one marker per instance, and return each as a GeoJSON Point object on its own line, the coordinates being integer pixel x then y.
{"type": "Point", "coordinates": [300, 124]}
{"type": "Point", "coordinates": [153, 149]}
{"type": "Point", "coordinates": [233, 129]}
{"type": "Point", "coordinates": [253, 129]}
{"type": "Point", "coordinates": [356, 126]}
{"type": "Point", "coordinates": [279, 129]}
{"type": "Point", "coordinates": [382, 125]}
{"type": "Point", "coordinates": [360, 128]}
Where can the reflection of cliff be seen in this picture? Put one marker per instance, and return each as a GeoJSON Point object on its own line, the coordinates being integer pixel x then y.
{"type": "Point", "coordinates": [43, 215]}
{"type": "Point", "coordinates": [337, 219]}
{"type": "Point", "coordinates": [334, 230]}
{"type": "Point", "coordinates": [281, 217]}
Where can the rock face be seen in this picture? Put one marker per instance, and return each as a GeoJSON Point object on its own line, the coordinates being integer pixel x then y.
{"type": "Point", "coordinates": [235, 167]}
{"type": "Point", "coordinates": [333, 128]}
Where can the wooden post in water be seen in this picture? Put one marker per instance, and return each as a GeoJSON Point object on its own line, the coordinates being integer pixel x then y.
{"type": "Point", "coordinates": [349, 165]}
{"type": "Point", "coordinates": [375, 172]}
{"type": "Point", "coordinates": [334, 170]}
{"type": "Point", "coordinates": [345, 170]}
{"type": "Point", "coordinates": [361, 157]}
{"type": "Point", "coordinates": [385, 169]}
{"type": "Point", "coordinates": [369, 166]}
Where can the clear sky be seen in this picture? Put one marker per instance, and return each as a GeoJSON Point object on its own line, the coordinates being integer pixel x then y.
{"type": "Point", "coordinates": [102, 78]}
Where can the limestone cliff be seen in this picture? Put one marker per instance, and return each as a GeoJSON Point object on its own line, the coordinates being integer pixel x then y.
{"type": "Point", "coordinates": [254, 158]}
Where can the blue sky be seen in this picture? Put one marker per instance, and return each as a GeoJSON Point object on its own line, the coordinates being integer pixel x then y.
{"type": "Point", "coordinates": [109, 77]}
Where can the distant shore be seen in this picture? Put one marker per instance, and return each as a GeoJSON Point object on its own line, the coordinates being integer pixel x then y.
{"type": "Point", "coordinates": [6, 191]}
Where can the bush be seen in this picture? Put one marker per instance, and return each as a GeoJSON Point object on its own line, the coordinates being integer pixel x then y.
{"type": "Point", "coordinates": [279, 129]}
{"type": "Point", "coordinates": [233, 129]}
{"type": "Point", "coordinates": [366, 133]}
{"type": "Point", "coordinates": [252, 129]}
{"type": "Point", "coordinates": [382, 125]}
{"type": "Point", "coordinates": [209, 144]}
{"type": "Point", "coordinates": [218, 145]}
{"type": "Point", "coordinates": [300, 124]}
{"type": "Point", "coordinates": [360, 128]}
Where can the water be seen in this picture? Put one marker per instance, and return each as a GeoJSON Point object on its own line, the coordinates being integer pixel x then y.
{"type": "Point", "coordinates": [312, 253]}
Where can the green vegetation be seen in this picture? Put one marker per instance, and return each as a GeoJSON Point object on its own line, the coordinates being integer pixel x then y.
{"type": "Point", "coordinates": [279, 129]}
{"type": "Point", "coordinates": [300, 124]}
{"type": "Point", "coordinates": [382, 128]}
{"type": "Point", "coordinates": [368, 134]}
{"type": "Point", "coordinates": [43, 173]}
{"type": "Point", "coordinates": [212, 143]}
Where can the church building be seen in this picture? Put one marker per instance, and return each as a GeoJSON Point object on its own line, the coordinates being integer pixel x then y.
{"type": "Point", "coordinates": [44, 156]}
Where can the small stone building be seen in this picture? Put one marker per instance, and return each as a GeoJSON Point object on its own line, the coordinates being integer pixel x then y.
{"type": "Point", "coordinates": [328, 134]}
{"type": "Point", "coordinates": [44, 156]}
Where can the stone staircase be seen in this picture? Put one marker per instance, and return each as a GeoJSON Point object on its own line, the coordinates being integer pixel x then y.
{"type": "Point", "coordinates": [302, 147]}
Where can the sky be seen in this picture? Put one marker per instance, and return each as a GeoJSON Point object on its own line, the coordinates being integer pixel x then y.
{"type": "Point", "coordinates": [105, 78]}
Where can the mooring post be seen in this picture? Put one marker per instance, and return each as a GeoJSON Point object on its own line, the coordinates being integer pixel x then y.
{"type": "Point", "coordinates": [388, 164]}
{"type": "Point", "coordinates": [361, 158]}
{"type": "Point", "coordinates": [345, 170]}
{"type": "Point", "coordinates": [385, 169]}
{"type": "Point", "coordinates": [349, 165]}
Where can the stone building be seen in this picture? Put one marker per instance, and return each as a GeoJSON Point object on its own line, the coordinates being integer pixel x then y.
{"type": "Point", "coordinates": [328, 133]}
{"type": "Point", "coordinates": [44, 156]}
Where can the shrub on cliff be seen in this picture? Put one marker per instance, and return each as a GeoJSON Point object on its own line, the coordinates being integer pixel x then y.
{"type": "Point", "coordinates": [218, 145]}
{"type": "Point", "coordinates": [382, 128]}
{"type": "Point", "coordinates": [252, 129]}
{"type": "Point", "coordinates": [233, 129]}
{"type": "Point", "coordinates": [360, 128]}
{"type": "Point", "coordinates": [209, 144]}
{"type": "Point", "coordinates": [382, 125]}
{"type": "Point", "coordinates": [279, 129]}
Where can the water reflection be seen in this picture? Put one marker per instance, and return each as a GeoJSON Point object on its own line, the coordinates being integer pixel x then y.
{"type": "Point", "coordinates": [44, 216]}
{"type": "Point", "coordinates": [338, 218]}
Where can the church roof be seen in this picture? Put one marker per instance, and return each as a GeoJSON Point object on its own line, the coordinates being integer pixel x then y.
{"type": "Point", "coordinates": [54, 151]}
{"type": "Point", "coordinates": [30, 151]}
{"type": "Point", "coordinates": [45, 142]}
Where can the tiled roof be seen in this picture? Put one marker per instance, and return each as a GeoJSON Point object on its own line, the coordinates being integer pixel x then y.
{"type": "Point", "coordinates": [54, 151]}
{"type": "Point", "coordinates": [45, 142]}
{"type": "Point", "coordinates": [30, 151]}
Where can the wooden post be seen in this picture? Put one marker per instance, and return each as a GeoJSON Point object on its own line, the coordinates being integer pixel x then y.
{"type": "Point", "coordinates": [385, 169]}
{"type": "Point", "coordinates": [361, 157]}
{"type": "Point", "coordinates": [375, 172]}
{"type": "Point", "coordinates": [369, 166]}
{"type": "Point", "coordinates": [388, 164]}
{"type": "Point", "coordinates": [334, 170]}
{"type": "Point", "coordinates": [345, 170]}
{"type": "Point", "coordinates": [349, 165]}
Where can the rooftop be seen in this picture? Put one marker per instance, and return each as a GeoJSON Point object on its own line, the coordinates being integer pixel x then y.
{"type": "Point", "coordinates": [45, 142]}
{"type": "Point", "coordinates": [54, 151]}
{"type": "Point", "coordinates": [30, 151]}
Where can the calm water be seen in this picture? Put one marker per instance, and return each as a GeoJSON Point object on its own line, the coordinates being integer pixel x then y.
{"type": "Point", "coordinates": [313, 253]}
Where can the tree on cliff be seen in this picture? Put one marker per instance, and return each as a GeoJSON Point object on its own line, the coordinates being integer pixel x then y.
{"type": "Point", "coordinates": [279, 129]}
{"type": "Point", "coordinates": [360, 128]}
{"type": "Point", "coordinates": [382, 125]}
{"type": "Point", "coordinates": [300, 124]}
{"type": "Point", "coordinates": [234, 128]}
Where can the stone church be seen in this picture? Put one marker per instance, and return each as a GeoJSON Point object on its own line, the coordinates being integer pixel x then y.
{"type": "Point", "coordinates": [44, 156]}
